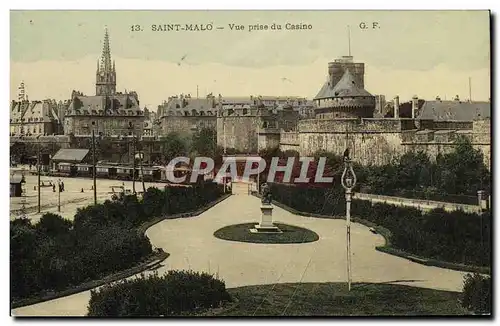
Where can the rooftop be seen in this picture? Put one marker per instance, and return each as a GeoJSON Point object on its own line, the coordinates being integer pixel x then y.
{"type": "Point", "coordinates": [70, 155]}
{"type": "Point", "coordinates": [455, 110]}
{"type": "Point", "coordinates": [346, 87]}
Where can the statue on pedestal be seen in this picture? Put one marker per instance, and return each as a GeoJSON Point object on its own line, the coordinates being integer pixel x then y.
{"type": "Point", "coordinates": [266, 195]}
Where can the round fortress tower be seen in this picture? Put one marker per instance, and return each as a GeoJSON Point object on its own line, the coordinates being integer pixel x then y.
{"type": "Point", "coordinates": [344, 99]}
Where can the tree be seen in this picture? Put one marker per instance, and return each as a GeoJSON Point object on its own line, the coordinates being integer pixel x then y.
{"type": "Point", "coordinates": [414, 171]}
{"type": "Point", "coordinates": [204, 142]}
{"type": "Point", "coordinates": [463, 171]}
{"type": "Point", "coordinates": [53, 225]}
{"type": "Point", "coordinates": [173, 146]}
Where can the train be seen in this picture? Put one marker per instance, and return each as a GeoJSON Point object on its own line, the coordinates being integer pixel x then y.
{"type": "Point", "coordinates": [118, 171]}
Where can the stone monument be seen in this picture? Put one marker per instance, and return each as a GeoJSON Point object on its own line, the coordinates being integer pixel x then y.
{"type": "Point", "coordinates": [266, 222]}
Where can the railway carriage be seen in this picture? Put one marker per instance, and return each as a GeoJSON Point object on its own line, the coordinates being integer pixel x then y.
{"type": "Point", "coordinates": [84, 170]}
{"type": "Point", "coordinates": [106, 171]}
{"type": "Point", "coordinates": [125, 173]}
{"type": "Point", "coordinates": [152, 174]}
{"type": "Point", "coordinates": [66, 169]}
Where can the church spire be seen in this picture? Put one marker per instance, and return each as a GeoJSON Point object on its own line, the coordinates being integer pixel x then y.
{"type": "Point", "coordinates": [106, 74]}
{"type": "Point", "coordinates": [106, 53]}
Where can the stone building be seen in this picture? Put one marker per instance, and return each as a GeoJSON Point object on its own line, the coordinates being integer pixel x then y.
{"type": "Point", "coordinates": [33, 118]}
{"type": "Point", "coordinates": [345, 99]}
{"type": "Point", "coordinates": [185, 115]}
{"type": "Point", "coordinates": [107, 113]}
{"type": "Point", "coordinates": [249, 124]}
{"type": "Point", "coordinates": [344, 118]}
{"type": "Point", "coordinates": [456, 110]}
{"type": "Point", "coordinates": [303, 106]}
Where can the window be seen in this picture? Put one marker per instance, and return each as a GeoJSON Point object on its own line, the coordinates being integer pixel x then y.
{"type": "Point", "coordinates": [93, 123]}
{"type": "Point", "coordinates": [245, 111]}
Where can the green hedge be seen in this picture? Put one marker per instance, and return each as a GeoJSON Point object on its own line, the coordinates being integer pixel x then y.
{"type": "Point", "coordinates": [476, 294]}
{"type": "Point", "coordinates": [175, 293]}
{"type": "Point", "coordinates": [43, 261]}
{"type": "Point", "coordinates": [457, 237]}
{"type": "Point", "coordinates": [56, 254]}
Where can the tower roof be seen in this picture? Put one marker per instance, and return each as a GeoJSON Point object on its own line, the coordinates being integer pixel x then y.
{"type": "Point", "coordinates": [346, 87]}
{"type": "Point", "coordinates": [106, 64]}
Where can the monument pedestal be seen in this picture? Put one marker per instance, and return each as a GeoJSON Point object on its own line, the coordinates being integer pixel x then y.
{"type": "Point", "coordinates": [266, 221]}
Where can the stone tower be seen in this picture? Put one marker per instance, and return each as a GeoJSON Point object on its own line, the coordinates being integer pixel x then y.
{"type": "Point", "coordinates": [346, 99]}
{"type": "Point", "coordinates": [338, 67]}
{"type": "Point", "coordinates": [105, 83]}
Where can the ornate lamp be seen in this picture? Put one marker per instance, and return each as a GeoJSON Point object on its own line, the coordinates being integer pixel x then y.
{"type": "Point", "coordinates": [348, 181]}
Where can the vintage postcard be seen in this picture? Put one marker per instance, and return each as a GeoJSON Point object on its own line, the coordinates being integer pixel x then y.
{"type": "Point", "coordinates": [250, 163]}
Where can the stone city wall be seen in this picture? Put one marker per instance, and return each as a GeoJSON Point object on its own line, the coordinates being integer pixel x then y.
{"type": "Point", "coordinates": [365, 148]}
{"type": "Point", "coordinates": [240, 132]}
{"type": "Point", "coordinates": [367, 125]}
{"type": "Point", "coordinates": [269, 138]}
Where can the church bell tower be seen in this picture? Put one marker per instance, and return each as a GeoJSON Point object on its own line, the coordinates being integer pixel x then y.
{"type": "Point", "coordinates": [106, 74]}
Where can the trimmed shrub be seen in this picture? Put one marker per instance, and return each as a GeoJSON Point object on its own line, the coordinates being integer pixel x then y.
{"type": "Point", "coordinates": [102, 239]}
{"type": "Point", "coordinates": [173, 294]}
{"type": "Point", "coordinates": [476, 294]}
{"type": "Point", "coordinates": [456, 237]}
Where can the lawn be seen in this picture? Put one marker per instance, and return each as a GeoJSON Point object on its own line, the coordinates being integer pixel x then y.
{"type": "Point", "coordinates": [290, 234]}
{"type": "Point", "coordinates": [333, 299]}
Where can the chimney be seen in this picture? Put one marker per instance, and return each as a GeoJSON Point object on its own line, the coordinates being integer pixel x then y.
{"type": "Point", "coordinates": [396, 107]}
{"type": "Point", "coordinates": [414, 106]}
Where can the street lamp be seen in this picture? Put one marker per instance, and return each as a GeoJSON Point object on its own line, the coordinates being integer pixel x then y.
{"type": "Point", "coordinates": [59, 196]}
{"type": "Point", "coordinates": [348, 182]}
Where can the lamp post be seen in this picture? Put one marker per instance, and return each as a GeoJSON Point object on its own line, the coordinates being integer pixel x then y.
{"type": "Point", "coordinates": [141, 157]}
{"type": "Point", "coordinates": [348, 182]}
{"type": "Point", "coordinates": [94, 172]}
{"type": "Point", "coordinates": [59, 196]}
{"type": "Point", "coordinates": [133, 163]}
{"type": "Point", "coordinates": [39, 171]}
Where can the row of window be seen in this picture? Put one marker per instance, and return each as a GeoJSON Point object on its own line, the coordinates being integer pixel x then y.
{"type": "Point", "coordinates": [30, 130]}
{"type": "Point", "coordinates": [101, 112]}
{"type": "Point", "coordinates": [190, 113]}
{"type": "Point", "coordinates": [24, 120]}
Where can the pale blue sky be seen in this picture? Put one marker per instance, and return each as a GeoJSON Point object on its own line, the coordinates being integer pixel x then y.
{"type": "Point", "coordinates": [417, 40]}
{"type": "Point", "coordinates": [457, 42]}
